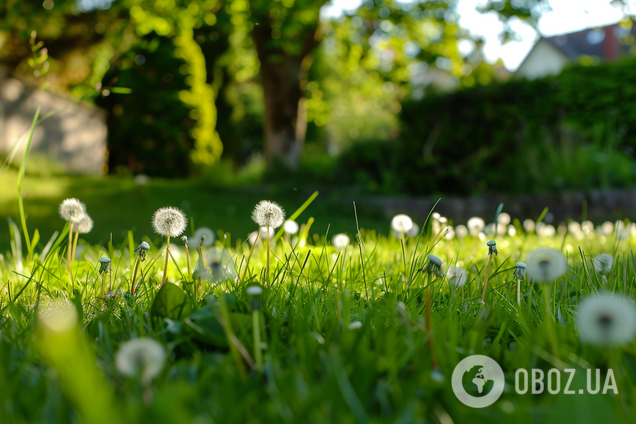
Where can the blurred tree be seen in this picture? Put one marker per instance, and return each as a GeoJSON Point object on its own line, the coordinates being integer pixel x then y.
{"type": "Point", "coordinates": [382, 38]}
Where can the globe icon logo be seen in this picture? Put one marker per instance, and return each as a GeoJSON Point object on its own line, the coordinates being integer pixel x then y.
{"type": "Point", "coordinates": [478, 381]}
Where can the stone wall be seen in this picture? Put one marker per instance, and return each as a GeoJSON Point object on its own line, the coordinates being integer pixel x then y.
{"type": "Point", "coordinates": [599, 205]}
{"type": "Point", "coordinates": [75, 136]}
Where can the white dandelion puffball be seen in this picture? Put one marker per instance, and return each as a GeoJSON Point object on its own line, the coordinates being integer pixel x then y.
{"type": "Point", "coordinates": [457, 276]}
{"type": "Point", "coordinates": [414, 231]}
{"type": "Point", "coordinates": [354, 325]}
{"type": "Point", "coordinates": [603, 263]}
{"type": "Point", "coordinates": [503, 219]}
{"type": "Point", "coordinates": [340, 241]}
{"type": "Point", "coordinates": [263, 230]}
{"type": "Point", "coordinates": [461, 231]}
{"type": "Point", "coordinates": [529, 225]}
{"type": "Point", "coordinates": [290, 227]}
{"type": "Point", "coordinates": [83, 225]}
{"type": "Point", "coordinates": [253, 237]}
{"type": "Point", "coordinates": [72, 210]}
{"type": "Point", "coordinates": [169, 222]}
{"type": "Point", "coordinates": [401, 223]}
{"type": "Point", "coordinates": [606, 319]}
{"type": "Point", "coordinates": [268, 214]}
{"type": "Point", "coordinates": [545, 265]}
{"type": "Point", "coordinates": [475, 226]}
{"type": "Point", "coordinates": [141, 355]}
{"type": "Point", "coordinates": [201, 233]}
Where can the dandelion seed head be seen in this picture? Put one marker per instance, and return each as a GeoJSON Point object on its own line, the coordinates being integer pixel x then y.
{"type": "Point", "coordinates": [83, 225]}
{"type": "Point", "coordinates": [354, 325]}
{"type": "Point", "coordinates": [169, 222]}
{"type": "Point", "coordinates": [414, 231]}
{"type": "Point", "coordinates": [401, 223]}
{"type": "Point", "coordinates": [72, 210]}
{"type": "Point", "coordinates": [457, 276]}
{"type": "Point", "coordinates": [143, 355]}
{"type": "Point", "coordinates": [340, 241]}
{"type": "Point", "coordinates": [603, 263]}
{"type": "Point", "coordinates": [254, 290]}
{"type": "Point", "coordinates": [475, 226]}
{"type": "Point", "coordinates": [268, 214]}
{"type": "Point", "coordinates": [290, 227]}
{"type": "Point", "coordinates": [545, 265]}
{"type": "Point", "coordinates": [201, 233]}
{"type": "Point", "coordinates": [606, 319]}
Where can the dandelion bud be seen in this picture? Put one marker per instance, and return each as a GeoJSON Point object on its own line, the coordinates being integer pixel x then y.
{"type": "Point", "coordinates": [255, 292]}
{"type": "Point", "coordinates": [520, 269]}
{"type": "Point", "coordinates": [434, 266]}
{"type": "Point", "coordinates": [104, 265]}
{"type": "Point", "coordinates": [268, 214]}
{"type": "Point", "coordinates": [492, 247]}
{"type": "Point", "coordinates": [142, 249]}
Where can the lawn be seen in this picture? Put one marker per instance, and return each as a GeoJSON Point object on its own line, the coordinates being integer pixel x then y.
{"type": "Point", "coordinates": [329, 334]}
{"type": "Point", "coordinates": [119, 204]}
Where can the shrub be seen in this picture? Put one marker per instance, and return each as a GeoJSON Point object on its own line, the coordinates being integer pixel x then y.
{"type": "Point", "coordinates": [559, 132]}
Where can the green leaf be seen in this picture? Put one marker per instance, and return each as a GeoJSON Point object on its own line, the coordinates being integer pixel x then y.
{"type": "Point", "coordinates": [171, 302]}
{"type": "Point", "coordinates": [121, 90]}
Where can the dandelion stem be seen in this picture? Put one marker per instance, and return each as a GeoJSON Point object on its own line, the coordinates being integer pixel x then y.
{"type": "Point", "coordinates": [483, 295]}
{"type": "Point", "coordinates": [258, 354]}
{"type": "Point", "coordinates": [519, 291]}
{"type": "Point", "coordinates": [75, 239]}
{"type": "Point", "coordinates": [428, 321]}
{"type": "Point", "coordinates": [134, 278]}
{"type": "Point", "coordinates": [188, 259]}
{"type": "Point", "coordinates": [549, 318]}
{"type": "Point", "coordinates": [165, 266]}
{"type": "Point", "coordinates": [267, 256]}
{"type": "Point", "coordinates": [68, 254]}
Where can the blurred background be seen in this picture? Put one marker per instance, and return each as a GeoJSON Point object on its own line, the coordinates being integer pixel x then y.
{"type": "Point", "coordinates": [212, 105]}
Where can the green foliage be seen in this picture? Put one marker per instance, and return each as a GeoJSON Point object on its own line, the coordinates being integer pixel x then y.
{"type": "Point", "coordinates": [576, 130]}
{"type": "Point", "coordinates": [148, 128]}
{"type": "Point", "coordinates": [171, 302]}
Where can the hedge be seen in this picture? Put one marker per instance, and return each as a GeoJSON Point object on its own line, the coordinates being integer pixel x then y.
{"type": "Point", "coordinates": [576, 130]}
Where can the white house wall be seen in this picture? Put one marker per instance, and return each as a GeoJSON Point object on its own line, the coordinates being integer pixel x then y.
{"type": "Point", "coordinates": [544, 59]}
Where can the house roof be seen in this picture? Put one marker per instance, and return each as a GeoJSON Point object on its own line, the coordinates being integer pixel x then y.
{"type": "Point", "coordinates": [606, 43]}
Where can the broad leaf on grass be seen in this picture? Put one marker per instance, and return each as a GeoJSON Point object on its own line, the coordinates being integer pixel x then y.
{"type": "Point", "coordinates": [171, 302]}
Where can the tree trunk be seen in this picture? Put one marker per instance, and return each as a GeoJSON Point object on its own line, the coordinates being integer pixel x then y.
{"type": "Point", "coordinates": [281, 77]}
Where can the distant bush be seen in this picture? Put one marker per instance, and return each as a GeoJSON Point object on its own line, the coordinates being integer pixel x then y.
{"type": "Point", "coordinates": [576, 130]}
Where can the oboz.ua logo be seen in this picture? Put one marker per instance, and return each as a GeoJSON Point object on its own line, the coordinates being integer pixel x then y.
{"type": "Point", "coordinates": [478, 381]}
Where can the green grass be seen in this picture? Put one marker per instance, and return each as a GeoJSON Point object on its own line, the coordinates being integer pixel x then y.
{"type": "Point", "coordinates": [316, 368]}
{"type": "Point", "coordinates": [118, 205]}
